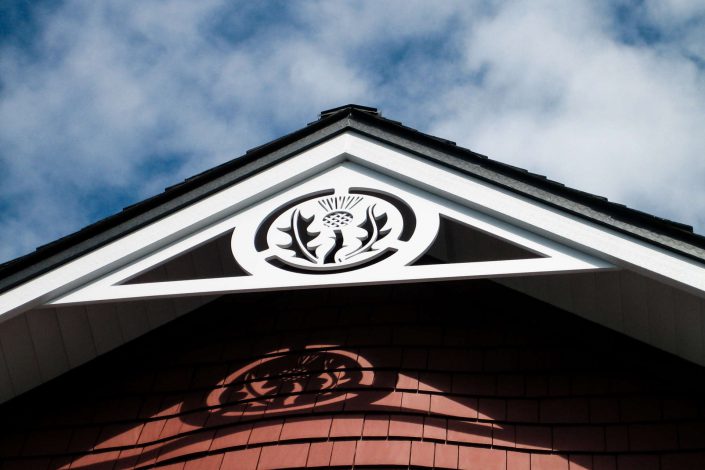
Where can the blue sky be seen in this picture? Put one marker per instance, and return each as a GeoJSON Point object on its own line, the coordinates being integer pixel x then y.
{"type": "Point", "coordinates": [104, 103]}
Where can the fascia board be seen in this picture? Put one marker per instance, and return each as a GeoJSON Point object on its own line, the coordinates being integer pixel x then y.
{"type": "Point", "coordinates": [534, 187]}
{"type": "Point", "coordinates": [560, 226]}
{"type": "Point", "coordinates": [179, 196]}
{"type": "Point", "coordinates": [505, 205]}
{"type": "Point", "coordinates": [176, 225]}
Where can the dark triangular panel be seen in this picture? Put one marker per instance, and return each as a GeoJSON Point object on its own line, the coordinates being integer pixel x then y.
{"type": "Point", "coordinates": [213, 259]}
{"type": "Point", "coordinates": [459, 243]}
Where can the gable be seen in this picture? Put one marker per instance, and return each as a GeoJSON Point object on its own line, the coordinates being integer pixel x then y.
{"type": "Point", "coordinates": [149, 275]}
{"type": "Point", "coordinates": [349, 188]}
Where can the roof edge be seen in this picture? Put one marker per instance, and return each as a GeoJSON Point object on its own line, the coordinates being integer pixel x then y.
{"type": "Point", "coordinates": [173, 198]}
{"type": "Point", "coordinates": [368, 121]}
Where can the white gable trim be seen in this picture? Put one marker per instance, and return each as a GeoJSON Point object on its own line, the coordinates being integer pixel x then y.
{"type": "Point", "coordinates": [396, 268]}
{"type": "Point", "coordinates": [171, 228]}
{"type": "Point", "coordinates": [610, 245]}
{"type": "Point", "coordinates": [587, 238]}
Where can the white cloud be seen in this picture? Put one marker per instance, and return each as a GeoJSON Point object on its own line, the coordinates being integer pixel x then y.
{"type": "Point", "coordinates": [562, 97]}
{"type": "Point", "coordinates": [674, 11]}
{"type": "Point", "coordinates": [119, 101]}
{"type": "Point", "coordinates": [119, 88]}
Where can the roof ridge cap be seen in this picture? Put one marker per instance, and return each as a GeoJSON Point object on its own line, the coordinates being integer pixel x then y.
{"type": "Point", "coordinates": [348, 108]}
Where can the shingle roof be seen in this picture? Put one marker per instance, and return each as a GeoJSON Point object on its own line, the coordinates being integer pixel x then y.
{"type": "Point", "coordinates": [676, 237]}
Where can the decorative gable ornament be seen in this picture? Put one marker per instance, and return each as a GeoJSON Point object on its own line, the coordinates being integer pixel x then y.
{"type": "Point", "coordinates": [347, 225]}
{"type": "Point", "coordinates": [343, 227]}
{"type": "Point", "coordinates": [341, 230]}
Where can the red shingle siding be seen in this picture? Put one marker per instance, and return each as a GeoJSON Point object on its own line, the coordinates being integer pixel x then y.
{"type": "Point", "coordinates": [389, 376]}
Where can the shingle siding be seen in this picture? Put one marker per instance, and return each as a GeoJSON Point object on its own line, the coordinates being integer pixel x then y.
{"type": "Point", "coordinates": [452, 375]}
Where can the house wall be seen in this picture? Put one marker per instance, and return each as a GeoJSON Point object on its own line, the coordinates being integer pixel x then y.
{"type": "Point", "coordinates": [467, 375]}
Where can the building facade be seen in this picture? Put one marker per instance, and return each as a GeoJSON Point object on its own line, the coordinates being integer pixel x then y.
{"type": "Point", "coordinates": [358, 294]}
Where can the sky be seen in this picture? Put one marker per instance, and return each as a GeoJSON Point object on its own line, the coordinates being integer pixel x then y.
{"type": "Point", "coordinates": [105, 103]}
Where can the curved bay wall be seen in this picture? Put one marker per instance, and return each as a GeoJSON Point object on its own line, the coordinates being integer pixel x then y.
{"type": "Point", "coordinates": [455, 375]}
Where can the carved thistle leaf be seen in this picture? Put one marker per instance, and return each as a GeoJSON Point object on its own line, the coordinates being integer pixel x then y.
{"type": "Point", "coordinates": [300, 237]}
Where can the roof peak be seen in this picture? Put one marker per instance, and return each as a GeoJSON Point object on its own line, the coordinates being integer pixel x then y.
{"type": "Point", "coordinates": [349, 107]}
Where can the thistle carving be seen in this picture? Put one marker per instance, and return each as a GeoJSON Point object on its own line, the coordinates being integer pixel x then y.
{"type": "Point", "coordinates": [332, 232]}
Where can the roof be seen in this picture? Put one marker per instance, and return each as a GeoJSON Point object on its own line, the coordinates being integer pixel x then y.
{"type": "Point", "coordinates": [352, 199]}
{"type": "Point", "coordinates": [675, 237]}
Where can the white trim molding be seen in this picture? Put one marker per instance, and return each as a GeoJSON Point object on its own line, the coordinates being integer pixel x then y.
{"type": "Point", "coordinates": [566, 242]}
{"type": "Point", "coordinates": [397, 267]}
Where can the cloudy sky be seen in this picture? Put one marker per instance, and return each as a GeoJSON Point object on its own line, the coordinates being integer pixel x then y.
{"type": "Point", "coordinates": [104, 103]}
